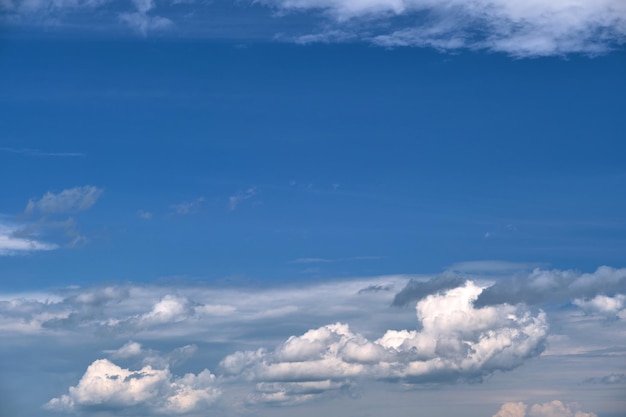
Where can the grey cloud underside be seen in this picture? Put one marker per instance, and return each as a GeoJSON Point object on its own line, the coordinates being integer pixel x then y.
{"type": "Point", "coordinates": [516, 27]}
{"type": "Point", "coordinates": [598, 292]}
{"type": "Point", "coordinates": [416, 290]}
{"type": "Point", "coordinates": [554, 286]}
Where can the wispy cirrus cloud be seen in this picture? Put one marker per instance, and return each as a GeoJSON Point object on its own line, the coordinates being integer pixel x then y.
{"type": "Point", "coordinates": [37, 152]}
{"type": "Point", "coordinates": [519, 28]}
{"type": "Point", "coordinates": [235, 200]}
{"type": "Point", "coordinates": [182, 209]}
{"type": "Point", "coordinates": [515, 27]}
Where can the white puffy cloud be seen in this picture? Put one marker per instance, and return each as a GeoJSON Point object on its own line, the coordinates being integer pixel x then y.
{"type": "Point", "coordinates": [512, 410]}
{"type": "Point", "coordinates": [551, 409]}
{"type": "Point", "coordinates": [610, 307]}
{"type": "Point", "coordinates": [456, 342]}
{"type": "Point", "coordinates": [106, 384]}
{"type": "Point", "coordinates": [68, 200]}
{"type": "Point", "coordinates": [130, 349]}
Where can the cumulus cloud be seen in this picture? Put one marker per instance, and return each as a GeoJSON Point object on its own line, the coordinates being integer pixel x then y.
{"type": "Point", "coordinates": [519, 28]}
{"type": "Point", "coordinates": [609, 307]}
{"type": "Point", "coordinates": [542, 286]}
{"type": "Point", "coordinates": [457, 342]}
{"type": "Point", "coordinates": [69, 200]}
{"type": "Point", "coordinates": [551, 409]}
{"type": "Point", "coordinates": [106, 384]}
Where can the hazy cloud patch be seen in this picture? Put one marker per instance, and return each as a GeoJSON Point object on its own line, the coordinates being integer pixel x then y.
{"type": "Point", "coordinates": [517, 27]}
{"type": "Point", "coordinates": [69, 200]}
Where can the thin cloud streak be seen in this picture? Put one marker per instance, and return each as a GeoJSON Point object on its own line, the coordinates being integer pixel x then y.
{"type": "Point", "coordinates": [37, 152]}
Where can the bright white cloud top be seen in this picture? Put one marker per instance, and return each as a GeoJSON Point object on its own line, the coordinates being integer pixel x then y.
{"type": "Point", "coordinates": [456, 342]}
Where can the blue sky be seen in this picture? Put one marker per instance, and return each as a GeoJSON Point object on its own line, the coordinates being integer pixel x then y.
{"type": "Point", "coordinates": [233, 186]}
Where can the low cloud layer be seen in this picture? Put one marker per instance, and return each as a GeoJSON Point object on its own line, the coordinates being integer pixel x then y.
{"type": "Point", "coordinates": [457, 342]}
{"type": "Point", "coordinates": [551, 409]}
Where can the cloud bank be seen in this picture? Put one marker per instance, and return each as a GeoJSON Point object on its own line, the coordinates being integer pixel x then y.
{"type": "Point", "coordinates": [457, 342]}
{"type": "Point", "coordinates": [551, 409]}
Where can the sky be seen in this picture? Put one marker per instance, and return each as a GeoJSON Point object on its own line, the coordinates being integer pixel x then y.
{"type": "Point", "coordinates": [304, 207]}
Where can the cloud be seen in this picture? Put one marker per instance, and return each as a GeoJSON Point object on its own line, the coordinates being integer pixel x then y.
{"type": "Point", "coordinates": [516, 27]}
{"type": "Point", "coordinates": [235, 200]}
{"type": "Point", "coordinates": [37, 152]}
{"type": "Point", "coordinates": [187, 207]}
{"type": "Point", "coordinates": [218, 314]}
{"type": "Point", "coordinates": [13, 244]}
{"type": "Point", "coordinates": [457, 342]}
{"type": "Point", "coordinates": [489, 267]}
{"type": "Point", "coordinates": [130, 349]}
{"type": "Point", "coordinates": [144, 214]}
{"type": "Point", "coordinates": [544, 286]}
{"type": "Point", "coordinates": [519, 28]}
{"type": "Point", "coordinates": [609, 307]}
{"type": "Point", "coordinates": [108, 385]}
{"type": "Point", "coordinates": [42, 6]}
{"type": "Point", "coordinates": [141, 21]}
{"type": "Point", "coordinates": [551, 409]}
{"type": "Point", "coordinates": [416, 290]}
{"type": "Point", "coordinates": [69, 200]}
{"type": "Point", "coordinates": [610, 379]}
